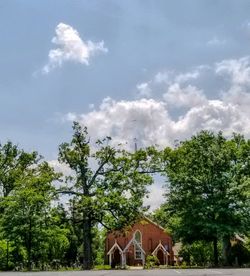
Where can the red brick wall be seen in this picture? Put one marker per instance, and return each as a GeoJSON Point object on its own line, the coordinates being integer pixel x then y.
{"type": "Point", "coordinates": [151, 236]}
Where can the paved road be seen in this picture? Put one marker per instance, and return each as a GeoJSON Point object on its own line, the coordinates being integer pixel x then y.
{"type": "Point", "coordinates": [157, 272]}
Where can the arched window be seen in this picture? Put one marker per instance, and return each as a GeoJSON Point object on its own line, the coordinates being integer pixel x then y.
{"type": "Point", "coordinates": [138, 238]}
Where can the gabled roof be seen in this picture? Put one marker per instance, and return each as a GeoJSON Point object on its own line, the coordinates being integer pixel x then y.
{"type": "Point", "coordinates": [136, 243]}
{"type": "Point", "coordinates": [160, 246]}
{"type": "Point", "coordinates": [116, 245]}
{"type": "Point", "coordinates": [140, 220]}
{"type": "Point", "coordinates": [154, 223]}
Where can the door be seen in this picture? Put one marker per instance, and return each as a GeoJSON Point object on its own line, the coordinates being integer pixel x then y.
{"type": "Point", "coordinates": [116, 258]}
{"type": "Point", "coordinates": [160, 257]}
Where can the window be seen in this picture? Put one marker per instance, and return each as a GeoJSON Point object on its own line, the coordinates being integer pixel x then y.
{"type": "Point", "coordinates": [138, 253]}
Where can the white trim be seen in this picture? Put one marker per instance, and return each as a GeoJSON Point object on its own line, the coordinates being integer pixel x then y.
{"type": "Point", "coordinates": [164, 251]}
{"type": "Point", "coordinates": [160, 247]}
{"type": "Point", "coordinates": [116, 245]}
{"type": "Point", "coordinates": [135, 247]}
{"type": "Point", "coordinates": [133, 241]}
{"type": "Point", "coordinates": [136, 232]}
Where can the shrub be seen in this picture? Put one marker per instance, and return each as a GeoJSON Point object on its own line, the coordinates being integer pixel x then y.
{"type": "Point", "coordinates": [151, 261]}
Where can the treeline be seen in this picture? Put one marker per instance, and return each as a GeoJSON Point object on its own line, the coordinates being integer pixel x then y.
{"type": "Point", "coordinates": [207, 204]}
{"type": "Point", "coordinates": [207, 199]}
{"type": "Point", "coordinates": [105, 191]}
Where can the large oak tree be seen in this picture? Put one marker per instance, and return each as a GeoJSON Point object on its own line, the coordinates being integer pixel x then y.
{"type": "Point", "coordinates": [107, 184]}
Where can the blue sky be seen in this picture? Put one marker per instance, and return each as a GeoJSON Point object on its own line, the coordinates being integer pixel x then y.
{"type": "Point", "coordinates": [154, 70]}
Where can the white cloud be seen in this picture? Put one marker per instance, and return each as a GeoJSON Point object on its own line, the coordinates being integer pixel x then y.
{"type": "Point", "coordinates": [155, 198]}
{"type": "Point", "coordinates": [164, 77]}
{"type": "Point", "coordinates": [144, 119]}
{"type": "Point", "coordinates": [71, 48]}
{"type": "Point", "coordinates": [149, 121]}
{"type": "Point", "coordinates": [187, 96]}
{"type": "Point", "coordinates": [185, 77]}
{"type": "Point", "coordinates": [215, 116]}
{"type": "Point", "coordinates": [236, 73]}
{"type": "Point", "coordinates": [215, 41]}
{"type": "Point", "coordinates": [237, 70]}
{"type": "Point", "coordinates": [169, 77]}
{"type": "Point", "coordinates": [144, 89]}
{"type": "Point", "coordinates": [60, 168]}
{"type": "Point", "coordinates": [239, 97]}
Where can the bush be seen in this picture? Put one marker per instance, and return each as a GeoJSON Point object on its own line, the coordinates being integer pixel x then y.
{"type": "Point", "coordinates": [198, 253]}
{"type": "Point", "coordinates": [151, 261]}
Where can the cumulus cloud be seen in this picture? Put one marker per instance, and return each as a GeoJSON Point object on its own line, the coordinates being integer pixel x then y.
{"type": "Point", "coordinates": [125, 120]}
{"type": "Point", "coordinates": [215, 116]}
{"type": "Point", "coordinates": [71, 47]}
{"type": "Point", "coordinates": [237, 70]}
{"type": "Point", "coordinates": [151, 120]}
{"type": "Point", "coordinates": [187, 96]}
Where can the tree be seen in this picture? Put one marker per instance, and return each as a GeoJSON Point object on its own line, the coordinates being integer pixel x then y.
{"type": "Point", "coordinates": [108, 185]}
{"type": "Point", "coordinates": [198, 253]}
{"type": "Point", "coordinates": [13, 163]}
{"type": "Point", "coordinates": [207, 190]}
{"type": "Point", "coordinates": [26, 220]}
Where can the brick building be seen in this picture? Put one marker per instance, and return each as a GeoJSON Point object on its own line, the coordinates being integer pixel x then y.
{"type": "Point", "coordinates": [133, 245]}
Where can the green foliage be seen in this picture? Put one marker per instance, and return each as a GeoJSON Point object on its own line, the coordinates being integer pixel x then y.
{"type": "Point", "coordinates": [208, 188]}
{"type": "Point", "coordinates": [26, 221]}
{"type": "Point", "coordinates": [151, 261]}
{"type": "Point", "coordinates": [198, 253]}
{"type": "Point", "coordinates": [102, 267]}
{"type": "Point", "coordinates": [207, 200]}
{"type": "Point", "coordinates": [111, 194]}
{"type": "Point", "coordinates": [13, 164]}
{"type": "Point", "coordinates": [99, 237]}
{"type": "Point", "coordinates": [6, 250]}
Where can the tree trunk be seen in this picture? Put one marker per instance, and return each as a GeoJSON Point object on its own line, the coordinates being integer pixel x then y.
{"type": "Point", "coordinates": [87, 245]}
{"type": "Point", "coordinates": [226, 250]}
{"type": "Point", "coordinates": [216, 256]}
{"type": "Point", "coordinates": [7, 256]}
{"type": "Point", "coordinates": [29, 245]}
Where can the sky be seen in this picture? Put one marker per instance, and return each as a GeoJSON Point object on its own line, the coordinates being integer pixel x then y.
{"type": "Point", "coordinates": [158, 71]}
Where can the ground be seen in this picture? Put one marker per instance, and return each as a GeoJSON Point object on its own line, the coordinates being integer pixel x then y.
{"type": "Point", "coordinates": [157, 272]}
